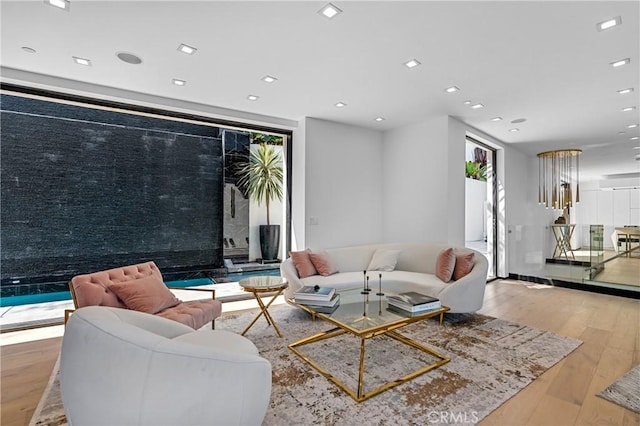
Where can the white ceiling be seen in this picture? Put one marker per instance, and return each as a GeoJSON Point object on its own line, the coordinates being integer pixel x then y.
{"type": "Point", "coordinates": [543, 61]}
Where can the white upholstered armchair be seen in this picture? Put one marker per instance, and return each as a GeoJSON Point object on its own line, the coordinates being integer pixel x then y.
{"type": "Point", "coordinates": [123, 367]}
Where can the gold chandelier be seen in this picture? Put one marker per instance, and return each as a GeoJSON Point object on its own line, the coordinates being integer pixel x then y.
{"type": "Point", "coordinates": [558, 178]}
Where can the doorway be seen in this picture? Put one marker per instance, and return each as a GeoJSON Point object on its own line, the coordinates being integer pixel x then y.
{"type": "Point", "coordinates": [481, 201]}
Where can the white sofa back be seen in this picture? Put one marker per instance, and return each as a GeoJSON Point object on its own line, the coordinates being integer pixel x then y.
{"type": "Point", "coordinates": [414, 271]}
{"type": "Point", "coordinates": [413, 257]}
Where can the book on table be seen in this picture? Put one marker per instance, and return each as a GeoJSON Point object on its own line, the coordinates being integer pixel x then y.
{"type": "Point", "coordinates": [414, 302]}
{"type": "Point", "coordinates": [325, 309]}
{"type": "Point", "coordinates": [407, 313]}
{"type": "Point", "coordinates": [321, 303]}
{"type": "Point", "coordinates": [310, 292]}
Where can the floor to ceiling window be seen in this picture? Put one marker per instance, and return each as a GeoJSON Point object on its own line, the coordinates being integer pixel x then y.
{"type": "Point", "coordinates": [89, 184]}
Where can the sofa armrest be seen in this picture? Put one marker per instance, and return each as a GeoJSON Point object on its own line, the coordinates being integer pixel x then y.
{"type": "Point", "coordinates": [467, 293]}
{"type": "Point", "coordinates": [289, 272]}
{"type": "Point", "coordinates": [213, 291]}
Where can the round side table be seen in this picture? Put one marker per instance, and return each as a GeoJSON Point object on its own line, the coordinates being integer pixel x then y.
{"type": "Point", "coordinates": [265, 284]}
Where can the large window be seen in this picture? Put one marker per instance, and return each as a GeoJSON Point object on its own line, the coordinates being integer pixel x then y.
{"type": "Point", "coordinates": [86, 186]}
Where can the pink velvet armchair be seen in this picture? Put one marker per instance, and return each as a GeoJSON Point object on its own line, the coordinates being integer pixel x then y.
{"type": "Point", "coordinates": [141, 287]}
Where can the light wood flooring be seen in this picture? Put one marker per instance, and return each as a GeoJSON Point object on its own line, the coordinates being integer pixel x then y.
{"type": "Point", "coordinates": [609, 326]}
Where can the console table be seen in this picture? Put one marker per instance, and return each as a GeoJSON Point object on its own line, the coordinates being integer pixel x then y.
{"type": "Point", "coordinates": [562, 233]}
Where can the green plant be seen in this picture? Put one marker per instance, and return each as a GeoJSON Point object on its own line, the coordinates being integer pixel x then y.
{"type": "Point", "coordinates": [261, 177]}
{"type": "Point", "coordinates": [257, 137]}
{"type": "Point", "coordinates": [476, 170]}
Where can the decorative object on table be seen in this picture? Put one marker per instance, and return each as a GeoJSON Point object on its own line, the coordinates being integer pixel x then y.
{"type": "Point", "coordinates": [298, 396]}
{"type": "Point", "coordinates": [314, 293]}
{"type": "Point", "coordinates": [365, 284]}
{"type": "Point", "coordinates": [262, 179]}
{"type": "Point", "coordinates": [413, 302]}
{"type": "Point", "coordinates": [379, 293]}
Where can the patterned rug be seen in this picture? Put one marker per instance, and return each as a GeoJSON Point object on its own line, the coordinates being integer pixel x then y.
{"type": "Point", "coordinates": [625, 391]}
{"type": "Point", "coordinates": [491, 360]}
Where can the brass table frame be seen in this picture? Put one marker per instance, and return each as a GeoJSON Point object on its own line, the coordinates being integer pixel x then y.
{"type": "Point", "coordinates": [387, 329]}
{"type": "Point", "coordinates": [264, 309]}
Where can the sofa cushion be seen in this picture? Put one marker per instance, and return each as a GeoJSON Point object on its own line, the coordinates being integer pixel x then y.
{"type": "Point", "coordinates": [303, 264]}
{"type": "Point", "coordinates": [195, 313]}
{"type": "Point", "coordinates": [384, 260]}
{"type": "Point", "coordinates": [445, 264]}
{"type": "Point", "coordinates": [323, 263]}
{"type": "Point", "coordinates": [464, 264]}
{"type": "Point", "coordinates": [148, 294]}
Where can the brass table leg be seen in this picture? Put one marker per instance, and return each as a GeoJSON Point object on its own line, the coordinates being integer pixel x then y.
{"type": "Point", "coordinates": [264, 310]}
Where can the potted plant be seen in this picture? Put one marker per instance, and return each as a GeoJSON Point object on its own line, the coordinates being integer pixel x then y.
{"type": "Point", "coordinates": [261, 177]}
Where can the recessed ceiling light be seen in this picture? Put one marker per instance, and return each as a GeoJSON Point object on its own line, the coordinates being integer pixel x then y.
{"type": "Point", "coordinates": [631, 108]}
{"type": "Point", "coordinates": [496, 119]}
{"type": "Point", "coordinates": [451, 89]}
{"type": "Point", "coordinates": [518, 120]}
{"type": "Point", "coordinates": [621, 133]}
{"type": "Point", "coordinates": [340, 105]}
{"type": "Point", "coordinates": [82, 61]}
{"type": "Point", "coordinates": [253, 97]}
{"type": "Point", "coordinates": [514, 130]}
{"type": "Point", "coordinates": [129, 58]}
{"type": "Point", "coordinates": [379, 119]}
{"type": "Point", "coordinates": [625, 91]}
{"type": "Point", "coordinates": [620, 62]}
{"type": "Point", "coordinates": [268, 79]}
{"type": "Point", "coordinates": [187, 49]}
{"type": "Point", "coordinates": [609, 23]}
{"type": "Point", "coordinates": [28, 49]}
{"type": "Point", "coordinates": [61, 4]}
{"type": "Point", "coordinates": [467, 102]}
{"type": "Point", "coordinates": [412, 63]}
{"type": "Point", "coordinates": [632, 126]}
{"type": "Point", "coordinates": [635, 138]}
{"type": "Point", "coordinates": [178, 82]}
{"type": "Point", "coordinates": [477, 106]}
{"type": "Point", "coordinates": [636, 147]}
{"type": "Point", "coordinates": [330, 11]}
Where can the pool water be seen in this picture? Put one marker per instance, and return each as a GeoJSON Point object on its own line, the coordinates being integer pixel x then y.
{"type": "Point", "coordinates": [29, 299]}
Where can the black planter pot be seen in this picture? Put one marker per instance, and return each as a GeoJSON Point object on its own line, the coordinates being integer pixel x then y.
{"type": "Point", "coordinates": [269, 241]}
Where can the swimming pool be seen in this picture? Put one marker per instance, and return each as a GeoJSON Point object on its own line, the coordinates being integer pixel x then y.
{"type": "Point", "coordinates": [29, 299]}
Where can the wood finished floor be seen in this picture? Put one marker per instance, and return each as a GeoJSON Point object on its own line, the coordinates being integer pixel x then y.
{"type": "Point", "coordinates": [609, 326]}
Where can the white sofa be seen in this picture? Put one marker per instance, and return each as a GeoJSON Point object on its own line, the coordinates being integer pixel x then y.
{"type": "Point", "coordinates": [124, 367]}
{"type": "Point", "coordinates": [414, 271]}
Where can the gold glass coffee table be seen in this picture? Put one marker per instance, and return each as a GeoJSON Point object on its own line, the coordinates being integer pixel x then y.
{"type": "Point", "coordinates": [259, 285]}
{"type": "Point", "coordinates": [367, 316]}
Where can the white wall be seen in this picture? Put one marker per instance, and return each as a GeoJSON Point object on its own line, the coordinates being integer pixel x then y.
{"type": "Point", "coordinates": [475, 209]}
{"type": "Point", "coordinates": [343, 181]}
{"type": "Point", "coordinates": [610, 208]}
{"type": "Point", "coordinates": [415, 170]}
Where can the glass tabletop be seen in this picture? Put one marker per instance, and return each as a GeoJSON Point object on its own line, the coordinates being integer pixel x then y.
{"type": "Point", "coordinates": [367, 312]}
{"type": "Point", "coordinates": [264, 283]}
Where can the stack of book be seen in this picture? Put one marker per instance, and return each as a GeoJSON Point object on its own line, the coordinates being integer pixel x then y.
{"type": "Point", "coordinates": [413, 303]}
{"type": "Point", "coordinates": [320, 299]}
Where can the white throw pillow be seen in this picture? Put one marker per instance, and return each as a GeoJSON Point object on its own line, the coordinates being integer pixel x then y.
{"type": "Point", "coordinates": [384, 260]}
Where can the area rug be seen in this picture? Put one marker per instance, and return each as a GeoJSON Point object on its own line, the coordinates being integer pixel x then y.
{"type": "Point", "coordinates": [491, 360]}
{"type": "Point", "coordinates": [625, 391]}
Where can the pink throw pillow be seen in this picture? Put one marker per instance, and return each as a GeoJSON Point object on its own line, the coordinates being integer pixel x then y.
{"type": "Point", "coordinates": [323, 263]}
{"type": "Point", "coordinates": [148, 294]}
{"type": "Point", "coordinates": [464, 264]}
{"type": "Point", "coordinates": [445, 264]}
{"type": "Point", "coordinates": [302, 262]}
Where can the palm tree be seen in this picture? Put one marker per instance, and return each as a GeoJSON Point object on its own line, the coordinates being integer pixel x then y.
{"type": "Point", "coordinates": [261, 177]}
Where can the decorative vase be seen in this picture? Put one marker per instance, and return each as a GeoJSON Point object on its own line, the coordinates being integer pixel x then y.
{"type": "Point", "coordinates": [269, 242]}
